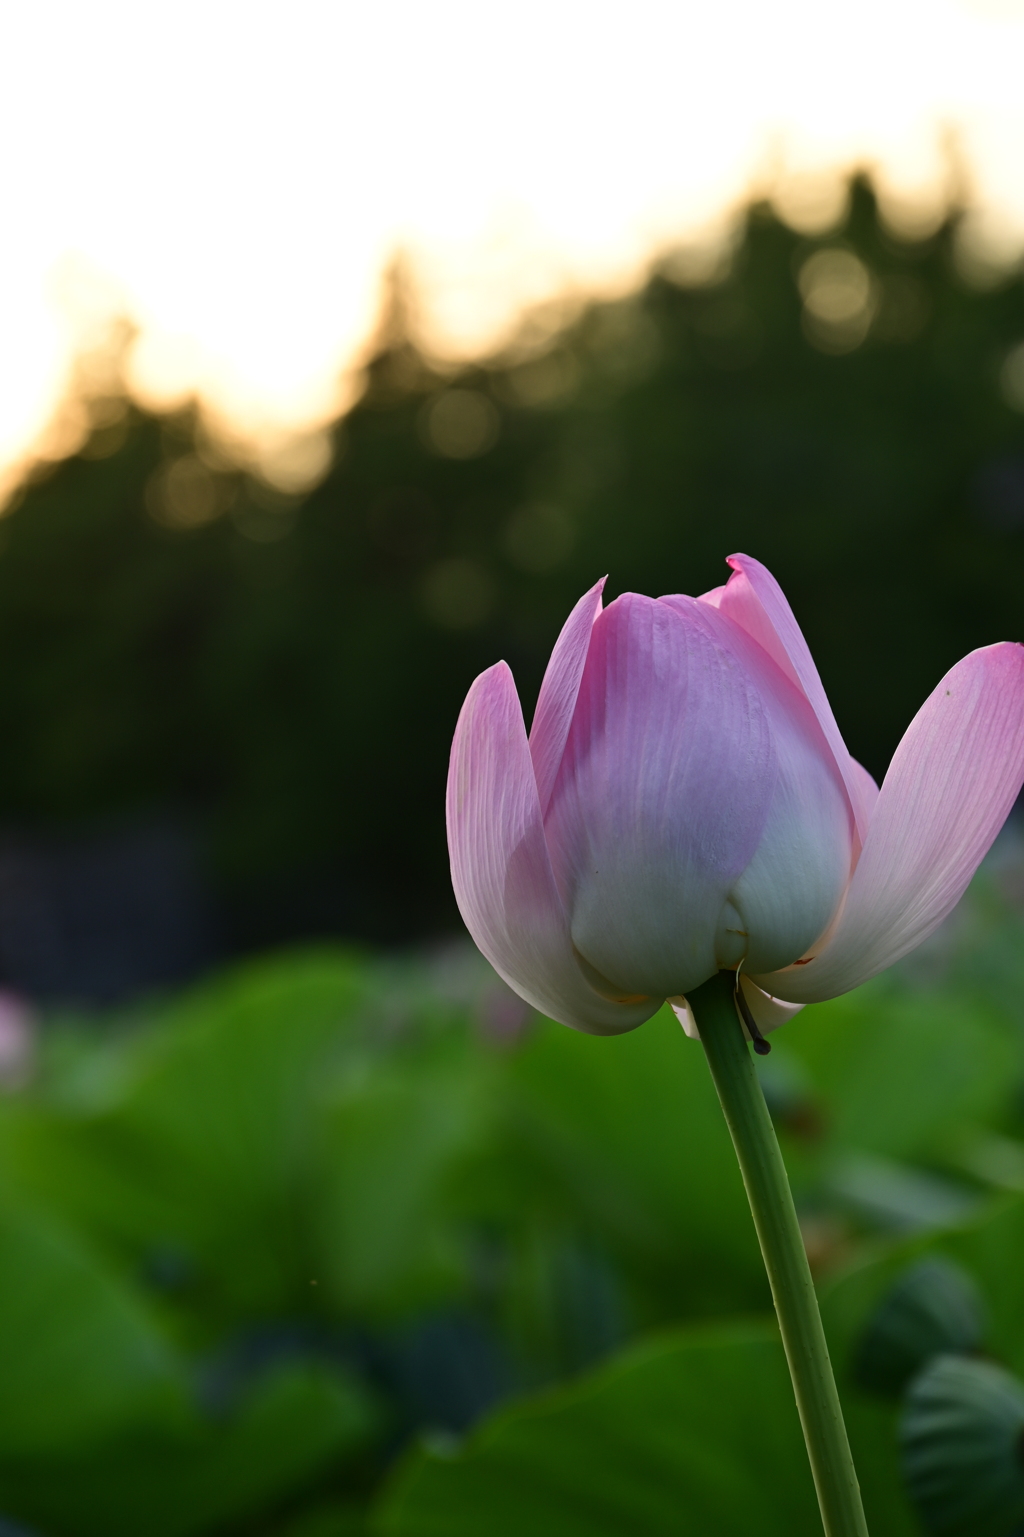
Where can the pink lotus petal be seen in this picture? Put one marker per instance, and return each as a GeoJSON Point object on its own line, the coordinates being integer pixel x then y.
{"type": "Point", "coordinates": [950, 786]}
{"type": "Point", "coordinates": [558, 691]}
{"type": "Point", "coordinates": [796, 880]}
{"type": "Point", "coordinates": [661, 798]}
{"type": "Point", "coordinates": [501, 871]}
{"type": "Point", "coordinates": [865, 793]}
{"type": "Point", "coordinates": [753, 598]}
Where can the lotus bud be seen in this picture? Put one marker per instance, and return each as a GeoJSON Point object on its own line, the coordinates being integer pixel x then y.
{"type": "Point", "coordinates": [962, 1452]}
{"type": "Point", "coordinates": [934, 1308]}
{"type": "Point", "coordinates": [685, 804]}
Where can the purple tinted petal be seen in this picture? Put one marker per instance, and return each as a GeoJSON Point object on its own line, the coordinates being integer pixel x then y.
{"type": "Point", "coordinates": [661, 798]}
{"type": "Point", "coordinates": [792, 887]}
{"type": "Point", "coordinates": [501, 871]}
{"type": "Point", "coordinates": [558, 691]}
{"type": "Point", "coordinates": [753, 598]}
{"type": "Point", "coordinates": [951, 783]}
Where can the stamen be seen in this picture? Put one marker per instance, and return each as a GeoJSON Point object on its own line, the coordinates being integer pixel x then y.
{"type": "Point", "coordinates": [757, 1040]}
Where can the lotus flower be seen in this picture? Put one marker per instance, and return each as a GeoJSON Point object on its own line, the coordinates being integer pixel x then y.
{"type": "Point", "coordinates": [685, 804]}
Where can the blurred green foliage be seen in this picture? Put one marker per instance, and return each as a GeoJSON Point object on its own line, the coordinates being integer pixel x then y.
{"type": "Point", "coordinates": [695, 1431]}
{"type": "Point", "coordinates": [270, 1248]}
{"type": "Point", "coordinates": [289, 668]}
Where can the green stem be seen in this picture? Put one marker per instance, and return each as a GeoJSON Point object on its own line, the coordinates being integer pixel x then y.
{"type": "Point", "coordinates": [771, 1202]}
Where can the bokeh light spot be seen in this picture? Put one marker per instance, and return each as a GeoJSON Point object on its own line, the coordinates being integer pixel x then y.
{"type": "Point", "coordinates": [183, 494]}
{"type": "Point", "coordinates": [812, 201]}
{"type": "Point", "coordinates": [548, 380]}
{"type": "Point", "coordinates": [297, 465]}
{"type": "Point", "coordinates": [839, 300]}
{"type": "Point", "coordinates": [108, 418]}
{"type": "Point", "coordinates": [460, 424]}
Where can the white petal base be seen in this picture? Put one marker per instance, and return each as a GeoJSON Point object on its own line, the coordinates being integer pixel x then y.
{"type": "Point", "coordinates": [769, 1013]}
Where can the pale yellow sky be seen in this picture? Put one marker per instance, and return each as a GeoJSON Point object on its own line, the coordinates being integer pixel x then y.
{"type": "Point", "coordinates": [236, 177]}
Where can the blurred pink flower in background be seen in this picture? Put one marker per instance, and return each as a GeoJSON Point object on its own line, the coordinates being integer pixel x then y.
{"type": "Point", "coordinates": [685, 803]}
{"type": "Point", "coordinates": [17, 1040]}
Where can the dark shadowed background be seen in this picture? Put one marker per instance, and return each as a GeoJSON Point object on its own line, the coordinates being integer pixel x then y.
{"type": "Point", "coordinates": [225, 711]}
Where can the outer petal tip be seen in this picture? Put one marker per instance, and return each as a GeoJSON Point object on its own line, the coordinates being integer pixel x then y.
{"type": "Point", "coordinates": [559, 690]}
{"type": "Point", "coordinates": [755, 601]}
{"type": "Point", "coordinates": [951, 784]}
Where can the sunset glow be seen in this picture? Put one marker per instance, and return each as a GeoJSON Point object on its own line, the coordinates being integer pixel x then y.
{"type": "Point", "coordinates": [236, 179]}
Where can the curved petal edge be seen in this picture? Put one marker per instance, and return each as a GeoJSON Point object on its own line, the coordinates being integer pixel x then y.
{"type": "Point", "coordinates": [951, 784]}
{"type": "Point", "coordinates": [755, 601]}
{"type": "Point", "coordinates": [559, 691]}
{"type": "Point", "coordinates": [501, 870]}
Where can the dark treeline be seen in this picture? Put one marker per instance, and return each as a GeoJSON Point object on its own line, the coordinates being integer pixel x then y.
{"type": "Point", "coordinates": [284, 674]}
